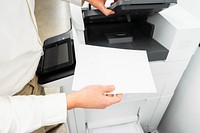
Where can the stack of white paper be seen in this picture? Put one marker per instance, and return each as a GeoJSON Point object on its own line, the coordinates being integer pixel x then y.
{"type": "Point", "coordinates": [127, 70]}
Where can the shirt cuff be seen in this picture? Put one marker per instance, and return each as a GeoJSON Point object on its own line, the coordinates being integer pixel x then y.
{"type": "Point", "coordinates": [55, 109]}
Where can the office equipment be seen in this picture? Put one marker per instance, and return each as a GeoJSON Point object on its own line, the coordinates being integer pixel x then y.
{"type": "Point", "coordinates": [58, 60]}
{"type": "Point", "coordinates": [127, 28]}
{"type": "Point", "coordinates": [170, 38]}
{"type": "Point", "coordinates": [175, 39]}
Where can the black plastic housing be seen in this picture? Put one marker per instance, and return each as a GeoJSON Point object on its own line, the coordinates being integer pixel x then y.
{"type": "Point", "coordinates": [58, 60]}
{"type": "Point", "coordinates": [126, 29]}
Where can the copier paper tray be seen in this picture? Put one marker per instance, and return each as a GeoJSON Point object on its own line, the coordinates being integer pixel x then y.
{"type": "Point", "coordinates": [126, 29]}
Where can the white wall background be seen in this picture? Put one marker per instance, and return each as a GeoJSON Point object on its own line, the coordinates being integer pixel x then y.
{"type": "Point", "coordinates": [183, 113]}
{"type": "Point", "coordinates": [191, 5]}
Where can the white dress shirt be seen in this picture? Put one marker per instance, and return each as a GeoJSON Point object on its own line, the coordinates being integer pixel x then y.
{"type": "Point", "coordinates": [20, 51]}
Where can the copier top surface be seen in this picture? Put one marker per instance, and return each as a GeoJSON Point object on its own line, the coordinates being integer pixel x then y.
{"type": "Point", "coordinates": [136, 8]}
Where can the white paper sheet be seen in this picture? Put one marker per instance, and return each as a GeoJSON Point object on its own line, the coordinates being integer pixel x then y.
{"type": "Point", "coordinates": [127, 70]}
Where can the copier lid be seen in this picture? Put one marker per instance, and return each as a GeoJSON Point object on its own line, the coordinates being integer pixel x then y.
{"type": "Point", "coordinates": [136, 8]}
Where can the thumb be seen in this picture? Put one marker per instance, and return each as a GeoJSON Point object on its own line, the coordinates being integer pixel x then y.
{"type": "Point", "coordinates": [108, 88]}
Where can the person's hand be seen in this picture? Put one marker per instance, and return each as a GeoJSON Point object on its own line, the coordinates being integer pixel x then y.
{"type": "Point", "coordinates": [100, 4]}
{"type": "Point", "coordinates": [93, 97]}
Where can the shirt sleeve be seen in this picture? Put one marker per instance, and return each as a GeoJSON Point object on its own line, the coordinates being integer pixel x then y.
{"type": "Point", "coordinates": [76, 2]}
{"type": "Point", "coordinates": [27, 113]}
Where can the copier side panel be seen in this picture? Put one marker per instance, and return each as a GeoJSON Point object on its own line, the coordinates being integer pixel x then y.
{"type": "Point", "coordinates": [166, 75]}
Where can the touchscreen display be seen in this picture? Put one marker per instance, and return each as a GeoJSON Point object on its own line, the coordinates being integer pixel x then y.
{"type": "Point", "coordinates": [56, 55]}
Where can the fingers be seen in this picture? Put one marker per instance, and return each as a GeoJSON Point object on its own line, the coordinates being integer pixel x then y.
{"type": "Point", "coordinates": [100, 4]}
{"type": "Point", "coordinates": [94, 96]}
{"type": "Point", "coordinates": [113, 95]}
{"type": "Point", "coordinates": [106, 11]}
{"type": "Point", "coordinates": [115, 99]}
{"type": "Point", "coordinates": [107, 88]}
{"type": "Point", "coordinates": [119, 96]}
{"type": "Point", "coordinates": [109, 95]}
{"type": "Point", "coordinates": [111, 99]}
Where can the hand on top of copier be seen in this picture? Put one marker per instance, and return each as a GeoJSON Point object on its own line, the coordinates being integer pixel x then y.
{"type": "Point", "coordinates": [100, 4]}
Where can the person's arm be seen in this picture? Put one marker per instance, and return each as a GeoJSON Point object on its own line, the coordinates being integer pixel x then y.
{"type": "Point", "coordinates": [20, 114]}
{"type": "Point", "coordinates": [100, 4]}
{"type": "Point", "coordinates": [27, 113]}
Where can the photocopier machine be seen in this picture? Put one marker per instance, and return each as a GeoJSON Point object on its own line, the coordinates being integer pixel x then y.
{"type": "Point", "coordinates": [169, 34]}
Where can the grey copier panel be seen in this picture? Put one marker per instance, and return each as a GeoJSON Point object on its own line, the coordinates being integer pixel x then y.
{"type": "Point", "coordinates": [127, 28]}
